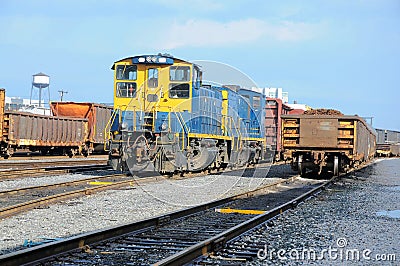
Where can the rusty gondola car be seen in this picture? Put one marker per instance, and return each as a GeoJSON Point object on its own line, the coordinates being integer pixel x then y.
{"type": "Point", "coordinates": [27, 131]}
{"type": "Point", "coordinates": [326, 143]}
{"type": "Point", "coordinates": [75, 128]}
{"type": "Point", "coordinates": [97, 115]}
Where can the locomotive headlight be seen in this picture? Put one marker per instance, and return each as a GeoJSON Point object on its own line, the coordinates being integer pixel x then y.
{"type": "Point", "coordinates": [124, 126]}
{"type": "Point", "coordinates": [164, 126]}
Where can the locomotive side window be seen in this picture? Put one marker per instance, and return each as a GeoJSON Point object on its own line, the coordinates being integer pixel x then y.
{"type": "Point", "coordinates": [152, 80]}
{"type": "Point", "coordinates": [196, 77]}
{"type": "Point", "coordinates": [179, 73]}
{"type": "Point", "coordinates": [246, 98]}
{"type": "Point", "coordinates": [126, 72]}
{"type": "Point", "coordinates": [178, 90]}
{"type": "Point", "coordinates": [126, 89]}
{"type": "Point", "coordinates": [256, 102]}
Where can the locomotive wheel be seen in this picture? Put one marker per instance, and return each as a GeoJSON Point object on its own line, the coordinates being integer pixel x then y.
{"type": "Point", "coordinates": [336, 165]}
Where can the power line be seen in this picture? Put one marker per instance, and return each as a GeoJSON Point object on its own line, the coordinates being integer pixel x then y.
{"type": "Point", "coordinates": [62, 92]}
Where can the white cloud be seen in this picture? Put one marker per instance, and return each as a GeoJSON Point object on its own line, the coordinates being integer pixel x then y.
{"type": "Point", "coordinates": [198, 33]}
{"type": "Point", "coordinates": [199, 5]}
{"type": "Point", "coordinates": [291, 31]}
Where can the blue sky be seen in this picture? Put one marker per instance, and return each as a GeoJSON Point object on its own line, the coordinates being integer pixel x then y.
{"type": "Point", "coordinates": [334, 54]}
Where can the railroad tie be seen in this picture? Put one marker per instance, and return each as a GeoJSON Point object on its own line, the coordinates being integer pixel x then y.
{"type": "Point", "coordinates": [229, 210]}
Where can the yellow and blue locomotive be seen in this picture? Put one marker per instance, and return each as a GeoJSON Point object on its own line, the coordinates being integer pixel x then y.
{"type": "Point", "coordinates": [166, 120]}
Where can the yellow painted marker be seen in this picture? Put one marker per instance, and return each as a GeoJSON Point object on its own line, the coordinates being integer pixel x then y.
{"type": "Point", "coordinates": [229, 210]}
{"type": "Point", "coordinates": [96, 183]}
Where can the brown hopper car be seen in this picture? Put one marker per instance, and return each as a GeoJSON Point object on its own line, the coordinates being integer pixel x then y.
{"type": "Point", "coordinates": [75, 128]}
{"type": "Point", "coordinates": [326, 143]}
{"type": "Point", "coordinates": [26, 131]}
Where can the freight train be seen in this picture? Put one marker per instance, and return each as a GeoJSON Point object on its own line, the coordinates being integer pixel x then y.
{"type": "Point", "coordinates": [166, 120]}
{"type": "Point", "coordinates": [75, 128]}
{"type": "Point", "coordinates": [326, 143]}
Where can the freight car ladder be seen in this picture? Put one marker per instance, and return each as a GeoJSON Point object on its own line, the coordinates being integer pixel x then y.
{"type": "Point", "coordinates": [346, 133]}
{"type": "Point", "coordinates": [2, 103]}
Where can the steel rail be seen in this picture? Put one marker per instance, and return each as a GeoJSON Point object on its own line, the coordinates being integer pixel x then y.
{"type": "Point", "coordinates": [207, 246]}
{"type": "Point", "coordinates": [216, 242]}
{"type": "Point", "coordinates": [14, 209]}
{"type": "Point", "coordinates": [42, 252]}
{"type": "Point", "coordinates": [37, 163]}
{"type": "Point", "coordinates": [21, 207]}
{"type": "Point", "coordinates": [18, 173]}
{"type": "Point", "coordinates": [62, 184]}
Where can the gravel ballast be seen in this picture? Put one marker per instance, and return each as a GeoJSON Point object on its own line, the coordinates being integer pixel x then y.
{"type": "Point", "coordinates": [115, 207]}
{"type": "Point", "coordinates": [359, 214]}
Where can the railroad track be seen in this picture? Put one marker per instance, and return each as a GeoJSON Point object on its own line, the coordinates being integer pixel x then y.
{"type": "Point", "coordinates": [50, 170]}
{"type": "Point", "coordinates": [22, 199]}
{"type": "Point", "coordinates": [19, 200]}
{"type": "Point", "coordinates": [50, 163]}
{"type": "Point", "coordinates": [202, 252]}
{"type": "Point", "coordinates": [155, 239]}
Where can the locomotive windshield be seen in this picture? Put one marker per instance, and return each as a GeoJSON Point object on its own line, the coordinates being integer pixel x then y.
{"type": "Point", "coordinates": [179, 73]}
{"type": "Point", "coordinates": [126, 89]}
{"type": "Point", "coordinates": [125, 72]}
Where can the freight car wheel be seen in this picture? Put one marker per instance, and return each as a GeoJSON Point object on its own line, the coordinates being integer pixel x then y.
{"type": "Point", "coordinates": [336, 166]}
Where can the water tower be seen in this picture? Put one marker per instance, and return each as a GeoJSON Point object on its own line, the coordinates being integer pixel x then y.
{"type": "Point", "coordinates": [41, 81]}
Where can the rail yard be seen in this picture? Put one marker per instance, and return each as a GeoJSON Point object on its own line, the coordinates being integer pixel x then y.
{"type": "Point", "coordinates": [194, 173]}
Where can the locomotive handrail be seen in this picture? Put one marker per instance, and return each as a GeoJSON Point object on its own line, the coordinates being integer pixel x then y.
{"type": "Point", "coordinates": [169, 119]}
{"type": "Point", "coordinates": [184, 127]}
{"type": "Point", "coordinates": [107, 130]}
{"type": "Point", "coordinates": [237, 129]}
{"type": "Point", "coordinates": [154, 118]}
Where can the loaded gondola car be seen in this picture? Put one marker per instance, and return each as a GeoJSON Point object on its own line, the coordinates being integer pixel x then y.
{"type": "Point", "coordinates": [75, 128]}
{"type": "Point", "coordinates": [327, 143]}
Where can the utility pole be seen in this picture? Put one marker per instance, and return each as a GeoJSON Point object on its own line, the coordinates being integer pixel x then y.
{"type": "Point", "coordinates": [62, 92]}
{"type": "Point", "coordinates": [369, 118]}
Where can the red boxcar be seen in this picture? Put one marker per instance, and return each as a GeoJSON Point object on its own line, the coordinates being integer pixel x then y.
{"type": "Point", "coordinates": [274, 109]}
